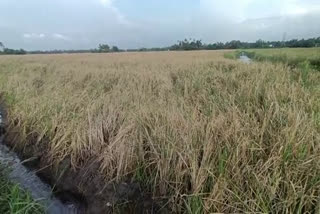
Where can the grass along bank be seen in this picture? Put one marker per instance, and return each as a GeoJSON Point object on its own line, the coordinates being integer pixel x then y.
{"type": "Point", "coordinates": [293, 57]}
{"type": "Point", "coordinates": [14, 200]}
{"type": "Point", "coordinates": [202, 132]}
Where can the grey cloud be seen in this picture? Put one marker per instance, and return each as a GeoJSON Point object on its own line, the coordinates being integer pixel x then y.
{"type": "Point", "coordinates": [273, 28]}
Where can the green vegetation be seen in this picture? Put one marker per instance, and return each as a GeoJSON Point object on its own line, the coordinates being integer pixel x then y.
{"type": "Point", "coordinates": [232, 54]}
{"type": "Point", "coordinates": [8, 51]}
{"type": "Point", "coordinates": [292, 56]}
{"type": "Point", "coordinates": [193, 44]}
{"type": "Point", "coordinates": [104, 48]}
{"type": "Point", "coordinates": [185, 45]}
{"type": "Point", "coordinates": [205, 133]}
{"type": "Point", "coordinates": [14, 200]}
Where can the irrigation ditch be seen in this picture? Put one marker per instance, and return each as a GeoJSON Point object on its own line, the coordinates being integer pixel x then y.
{"type": "Point", "coordinates": [244, 58]}
{"type": "Point", "coordinates": [62, 189]}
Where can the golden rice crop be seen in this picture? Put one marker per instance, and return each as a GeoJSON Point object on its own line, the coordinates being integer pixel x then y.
{"type": "Point", "coordinates": [206, 133]}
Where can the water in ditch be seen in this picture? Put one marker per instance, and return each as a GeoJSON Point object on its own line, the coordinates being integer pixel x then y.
{"type": "Point", "coordinates": [245, 59]}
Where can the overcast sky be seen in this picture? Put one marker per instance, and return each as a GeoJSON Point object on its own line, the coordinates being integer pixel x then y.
{"type": "Point", "coordinates": [82, 24]}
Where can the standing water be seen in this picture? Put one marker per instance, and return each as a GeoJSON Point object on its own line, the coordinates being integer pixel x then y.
{"type": "Point", "coordinates": [29, 181]}
{"type": "Point", "coordinates": [244, 58]}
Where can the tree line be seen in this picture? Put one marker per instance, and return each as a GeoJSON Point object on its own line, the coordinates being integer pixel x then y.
{"type": "Point", "coordinates": [185, 45]}
{"type": "Point", "coordinates": [7, 51]}
{"type": "Point", "coordinates": [192, 44]}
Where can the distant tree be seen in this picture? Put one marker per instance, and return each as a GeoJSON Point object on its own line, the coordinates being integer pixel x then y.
{"type": "Point", "coordinates": [143, 49]}
{"type": "Point", "coordinates": [199, 44]}
{"type": "Point", "coordinates": [234, 44]}
{"type": "Point", "coordinates": [220, 45]}
{"type": "Point", "coordinates": [115, 49]}
{"type": "Point", "coordinates": [104, 48]}
{"type": "Point", "coordinates": [188, 44]}
{"type": "Point", "coordinates": [1, 46]}
{"type": "Point", "coordinates": [260, 44]}
{"type": "Point", "coordinates": [13, 51]}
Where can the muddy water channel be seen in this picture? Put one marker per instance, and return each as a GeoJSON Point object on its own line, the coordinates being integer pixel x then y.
{"type": "Point", "coordinates": [28, 180]}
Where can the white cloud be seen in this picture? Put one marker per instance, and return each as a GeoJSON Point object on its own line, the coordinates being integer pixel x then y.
{"type": "Point", "coordinates": [119, 16]}
{"type": "Point", "coordinates": [232, 9]}
{"type": "Point", "coordinates": [299, 7]}
{"type": "Point", "coordinates": [60, 37]}
{"type": "Point", "coordinates": [240, 10]}
{"type": "Point", "coordinates": [106, 3]}
{"type": "Point", "coordinates": [33, 35]}
{"type": "Point", "coordinates": [56, 36]}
